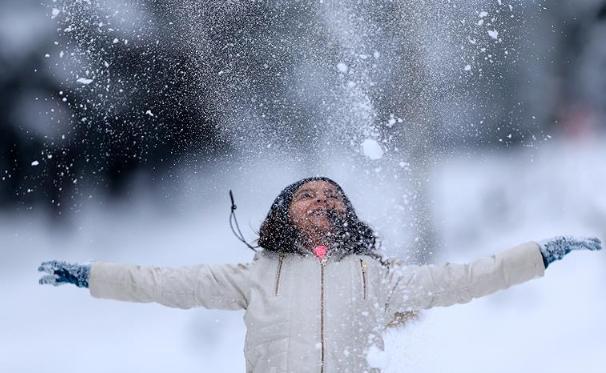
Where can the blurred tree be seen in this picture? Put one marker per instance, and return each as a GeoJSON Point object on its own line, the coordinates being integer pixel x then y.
{"type": "Point", "coordinates": [139, 111]}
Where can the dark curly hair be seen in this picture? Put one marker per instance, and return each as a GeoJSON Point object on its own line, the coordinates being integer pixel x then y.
{"type": "Point", "coordinates": [279, 234]}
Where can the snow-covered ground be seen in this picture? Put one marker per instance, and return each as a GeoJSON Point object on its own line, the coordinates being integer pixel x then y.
{"type": "Point", "coordinates": [482, 203]}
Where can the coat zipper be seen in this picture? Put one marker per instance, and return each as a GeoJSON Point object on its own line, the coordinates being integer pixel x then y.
{"type": "Point", "coordinates": [322, 264]}
{"type": "Point", "coordinates": [364, 268]}
{"type": "Point", "coordinates": [278, 273]}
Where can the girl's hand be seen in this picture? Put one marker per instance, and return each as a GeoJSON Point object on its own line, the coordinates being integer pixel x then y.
{"type": "Point", "coordinates": [60, 273]}
{"type": "Point", "coordinates": [557, 247]}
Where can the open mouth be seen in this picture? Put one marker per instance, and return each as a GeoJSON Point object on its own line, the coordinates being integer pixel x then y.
{"type": "Point", "coordinates": [318, 212]}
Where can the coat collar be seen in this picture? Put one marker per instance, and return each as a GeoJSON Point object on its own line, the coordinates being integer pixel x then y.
{"type": "Point", "coordinates": [332, 255]}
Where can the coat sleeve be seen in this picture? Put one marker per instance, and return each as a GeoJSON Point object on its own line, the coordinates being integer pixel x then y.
{"type": "Point", "coordinates": [209, 286]}
{"type": "Point", "coordinates": [421, 287]}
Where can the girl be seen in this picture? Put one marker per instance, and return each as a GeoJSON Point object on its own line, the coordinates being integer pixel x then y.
{"type": "Point", "coordinates": [319, 294]}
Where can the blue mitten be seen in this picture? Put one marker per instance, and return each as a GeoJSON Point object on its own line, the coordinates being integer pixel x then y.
{"type": "Point", "coordinates": [555, 248]}
{"type": "Point", "coordinates": [60, 273]}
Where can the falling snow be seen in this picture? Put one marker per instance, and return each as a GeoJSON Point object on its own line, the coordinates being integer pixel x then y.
{"type": "Point", "coordinates": [84, 81]}
{"type": "Point", "coordinates": [493, 34]}
{"type": "Point", "coordinates": [372, 149]}
{"type": "Point", "coordinates": [342, 67]}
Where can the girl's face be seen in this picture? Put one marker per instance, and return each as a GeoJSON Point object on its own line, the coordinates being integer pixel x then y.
{"type": "Point", "coordinates": [310, 206]}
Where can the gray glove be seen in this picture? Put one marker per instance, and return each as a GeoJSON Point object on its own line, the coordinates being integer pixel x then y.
{"type": "Point", "coordinates": [60, 273]}
{"type": "Point", "coordinates": [555, 248]}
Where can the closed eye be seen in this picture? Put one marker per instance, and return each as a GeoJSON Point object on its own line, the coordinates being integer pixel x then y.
{"type": "Point", "coordinates": [332, 195]}
{"type": "Point", "coordinates": [303, 195]}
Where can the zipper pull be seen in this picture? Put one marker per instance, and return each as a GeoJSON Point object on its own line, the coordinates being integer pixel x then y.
{"type": "Point", "coordinates": [364, 270]}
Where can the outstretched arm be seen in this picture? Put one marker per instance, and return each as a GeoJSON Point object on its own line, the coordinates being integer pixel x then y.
{"type": "Point", "coordinates": [421, 287]}
{"type": "Point", "coordinates": [209, 286]}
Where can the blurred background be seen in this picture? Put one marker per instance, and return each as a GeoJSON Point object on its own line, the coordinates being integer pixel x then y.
{"type": "Point", "coordinates": [458, 129]}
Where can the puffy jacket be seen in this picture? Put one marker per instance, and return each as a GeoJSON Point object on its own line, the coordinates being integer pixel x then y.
{"type": "Point", "coordinates": [303, 315]}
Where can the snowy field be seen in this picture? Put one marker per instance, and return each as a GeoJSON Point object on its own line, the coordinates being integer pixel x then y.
{"type": "Point", "coordinates": [482, 203]}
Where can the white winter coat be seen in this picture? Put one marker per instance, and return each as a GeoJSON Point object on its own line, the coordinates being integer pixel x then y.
{"type": "Point", "coordinates": [306, 316]}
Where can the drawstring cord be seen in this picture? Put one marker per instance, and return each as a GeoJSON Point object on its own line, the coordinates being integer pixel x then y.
{"type": "Point", "coordinates": [233, 223]}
